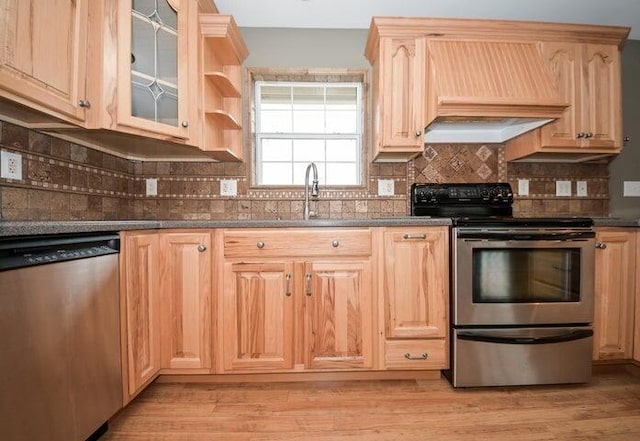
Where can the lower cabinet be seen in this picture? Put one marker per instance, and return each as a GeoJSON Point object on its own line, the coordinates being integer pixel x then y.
{"type": "Point", "coordinates": [615, 292]}
{"type": "Point", "coordinates": [636, 338]}
{"type": "Point", "coordinates": [415, 285]}
{"type": "Point", "coordinates": [286, 313]}
{"type": "Point", "coordinates": [140, 311]}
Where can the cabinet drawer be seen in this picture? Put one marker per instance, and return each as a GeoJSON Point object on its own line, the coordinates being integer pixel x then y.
{"type": "Point", "coordinates": [294, 243]}
{"type": "Point", "coordinates": [416, 354]}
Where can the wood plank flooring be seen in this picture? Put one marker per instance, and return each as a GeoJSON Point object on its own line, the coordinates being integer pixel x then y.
{"type": "Point", "coordinates": [606, 409]}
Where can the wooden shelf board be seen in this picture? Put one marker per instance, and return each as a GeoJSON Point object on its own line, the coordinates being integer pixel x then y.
{"type": "Point", "coordinates": [223, 119]}
{"type": "Point", "coordinates": [223, 84]}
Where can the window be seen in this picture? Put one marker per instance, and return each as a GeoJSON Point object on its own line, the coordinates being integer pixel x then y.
{"type": "Point", "coordinates": [302, 122]}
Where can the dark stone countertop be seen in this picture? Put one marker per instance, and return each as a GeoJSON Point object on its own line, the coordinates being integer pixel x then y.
{"type": "Point", "coordinates": [23, 228]}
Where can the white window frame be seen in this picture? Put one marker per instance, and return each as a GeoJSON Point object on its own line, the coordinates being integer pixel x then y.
{"type": "Point", "coordinates": [358, 135]}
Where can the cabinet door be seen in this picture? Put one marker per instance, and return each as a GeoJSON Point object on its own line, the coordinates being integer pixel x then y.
{"type": "Point", "coordinates": [601, 102]}
{"type": "Point", "coordinates": [257, 316]}
{"type": "Point", "coordinates": [416, 283]}
{"type": "Point", "coordinates": [614, 295]}
{"type": "Point", "coordinates": [338, 319]}
{"type": "Point", "coordinates": [142, 309]}
{"type": "Point", "coordinates": [42, 61]}
{"type": "Point", "coordinates": [402, 77]}
{"type": "Point", "coordinates": [154, 65]}
{"type": "Point", "coordinates": [636, 338]}
{"type": "Point", "coordinates": [563, 60]}
{"type": "Point", "coordinates": [185, 281]}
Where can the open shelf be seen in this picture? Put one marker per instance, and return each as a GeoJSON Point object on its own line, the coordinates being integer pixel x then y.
{"type": "Point", "coordinates": [225, 120]}
{"type": "Point", "coordinates": [222, 82]}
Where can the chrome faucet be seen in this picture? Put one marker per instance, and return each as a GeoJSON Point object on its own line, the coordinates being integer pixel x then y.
{"type": "Point", "coordinates": [314, 190]}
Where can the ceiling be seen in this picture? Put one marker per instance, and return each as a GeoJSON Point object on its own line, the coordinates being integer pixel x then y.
{"type": "Point", "coordinates": [356, 14]}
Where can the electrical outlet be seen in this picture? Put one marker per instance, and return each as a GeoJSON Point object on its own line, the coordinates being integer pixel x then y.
{"type": "Point", "coordinates": [581, 188]}
{"type": "Point", "coordinates": [631, 189]}
{"type": "Point", "coordinates": [152, 187]}
{"type": "Point", "coordinates": [563, 188]}
{"type": "Point", "coordinates": [386, 187]}
{"type": "Point", "coordinates": [523, 187]}
{"type": "Point", "coordinates": [228, 187]}
{"type": "Point", "coordinates": [11, 165]}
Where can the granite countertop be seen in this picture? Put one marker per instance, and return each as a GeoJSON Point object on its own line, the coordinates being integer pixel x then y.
{"type": "Point", "coordinates": [615, 222]}
{"type": "Point", "coordinates": [22, 228]}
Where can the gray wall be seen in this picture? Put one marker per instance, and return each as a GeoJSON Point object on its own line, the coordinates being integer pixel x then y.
{"type": "Point", "coordinates": [626, 167]}
{"type": "Point", "coordinates": [301, 48]}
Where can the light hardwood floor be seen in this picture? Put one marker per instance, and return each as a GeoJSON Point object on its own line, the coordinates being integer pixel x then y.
{"type": "Point", "coordinates": [606, 409]}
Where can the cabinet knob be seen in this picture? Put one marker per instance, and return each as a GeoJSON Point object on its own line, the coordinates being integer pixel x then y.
{"type": "Point", "coordinates": [418, 133]}
{"type": "Point", "coordinates": [184, 124]}
{"type": "Point", "coordinates": [601, 245]}
{"type": "Point", "coordinates": [588, 135]}
{"type": "Point", "coordinates": [84, 103]}
{"type": "Point", "coordinates": [335, 243]}
{"type": "Point", "coordinates": [260, 244]}
{"type": "Point", "coordinates": [580, 135]}
{"type": "Point", "coordinates": [626, 139]}
{"type": "Point", "coordinates": [422, 356]}
{"type": "Point", "coordinates": [202, 248]}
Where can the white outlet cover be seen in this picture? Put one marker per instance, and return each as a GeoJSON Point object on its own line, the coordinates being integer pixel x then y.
{"type": "Point", "coordinates": [11, 165]}
{"type": "Point", "coordinates": [523, 187]}
{"type": "Point", "coordinates": [563, 188]}
{"type": "Point", "coordinates": [386, 187]}
{"type": "Point", "coordinates": [228, 187]}
{"type": "Point", "coordinates": [152, 187]}
{"type": "Point", "coordinates": [631, 189]}
{"type": "Point", "coordinates": [581, 189]}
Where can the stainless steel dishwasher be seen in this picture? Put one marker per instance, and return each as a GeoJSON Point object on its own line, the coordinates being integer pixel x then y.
{"type": "Point", "coordinates": [60, 377]}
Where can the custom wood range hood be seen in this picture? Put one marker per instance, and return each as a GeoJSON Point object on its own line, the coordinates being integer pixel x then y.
{"type": "Point", "coordinates": [486, 91]}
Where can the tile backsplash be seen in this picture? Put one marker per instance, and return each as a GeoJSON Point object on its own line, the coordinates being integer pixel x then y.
{"type": "Point", "coordinates": [65, 181]}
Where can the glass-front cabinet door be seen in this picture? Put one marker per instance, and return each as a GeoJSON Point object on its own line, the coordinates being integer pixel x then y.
{"type": "Point", "coordinates": [153, 68]}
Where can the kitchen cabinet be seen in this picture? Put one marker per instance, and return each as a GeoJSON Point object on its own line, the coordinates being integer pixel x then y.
{"type": "Point", "coordinates": [636, 338]}
{"type": "Point", "coordinates": [588, 76]}
{"type": "Point", "coordinates": [398, 84]}
{"type": "Point", "coordinates": [614, 293]}
{"type": "Point", "coordinates": [414, 284]}
{"type": "Point", "coordinates": [185, 301]}
{"type": "Point", "coordinates": [43, 66]}
{"type": "Point", "coordinates": [295, 300]}
{"type": "Point", "coordinates": [140, 311]}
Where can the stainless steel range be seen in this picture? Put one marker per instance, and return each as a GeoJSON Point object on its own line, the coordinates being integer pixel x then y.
{"type": "Point", "coordinates": [521, 288]}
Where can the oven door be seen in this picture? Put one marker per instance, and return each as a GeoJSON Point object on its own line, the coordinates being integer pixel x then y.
{"type": "Point", "coordinates": [522, 277]}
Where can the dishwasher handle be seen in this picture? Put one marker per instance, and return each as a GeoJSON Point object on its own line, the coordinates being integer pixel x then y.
{"type": "Point", "coordinates": [559, 338]}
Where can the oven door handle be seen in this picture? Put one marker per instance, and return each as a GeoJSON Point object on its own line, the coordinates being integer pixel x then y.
{"type": "Point", "coordinates": [525, 236]}
{"type": "Point", "coordinates": [560, 338]}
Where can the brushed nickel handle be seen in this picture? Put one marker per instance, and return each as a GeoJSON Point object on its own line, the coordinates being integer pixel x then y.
{"type": "Point", "coordinates": [184, 124]}
{"type": "Point", "coordinates": [580, 135]}
{"type": "Point", "coordinates": [422, 356]}
{"type": "Point", "coordinates": [418, 133]}
{"type": "Point", "coordinates": [202, 248]}
{"type": "Point", "coordinates": [260, 244]}
{"type": "Point", "coordinates": [588, 135]}
{"type": "Point", "coordinates": [626, 139]}
{"type": "Point", "coordinates": [335, 243]}
{"type": "Point", "coordinates": [84, 103]}
{"type": "Point", "coordinates": [287, 286]}
{"type": "Point", "coordinates": [415, 236]}
{"type": "Point", "coordinates": [601, 245]}
{"type": "Point", "coordinates": [308, 287]}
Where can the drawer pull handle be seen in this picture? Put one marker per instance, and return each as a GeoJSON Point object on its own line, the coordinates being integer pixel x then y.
{"type": "Point", "coordinates": [287, 286]}
{"type": "Point", "coordinates": [260, 244]}
{"type": "Point", "coordinates": [423, 356]}
{"type": "Point", "coordinates": [415, 236]}
{"type": "Point", "coordinates": [202, 248]}
{"type": "Point", "coordinates": [601, 245]}
{"type": "Point", "coordinates": [309, 288]}
{"type": "Point", "coordinates": [335, 243]}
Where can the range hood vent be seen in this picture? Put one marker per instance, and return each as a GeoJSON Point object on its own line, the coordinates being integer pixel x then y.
{"type": "Point", "coordinates": [482, 91]}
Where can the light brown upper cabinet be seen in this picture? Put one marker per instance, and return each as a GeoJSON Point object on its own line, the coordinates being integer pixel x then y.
{"type": "Point", "coordinates": [398, 78]}
{"type": "Point", "coordinates": [589, 77]}
{"type": "Point", "coordinates": [43, 56]}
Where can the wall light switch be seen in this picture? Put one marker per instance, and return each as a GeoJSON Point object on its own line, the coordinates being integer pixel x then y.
{"type": "Point", "coordinates": [563, 188]}
{"type": "Point", "coordinates": [631, 189]}
{"type": "Point", "coordinates": [385, 187]}
{"type": "Point", "coordinates": [11, 165]}
{"type": "Point", "coordinates": [152, 186]}
{"type": "Point", "coordinates": [228, 187]}
{"type": "Point", "coordinates": [581, 188]}
{"type": "Point", "coordinates": [523, 187]}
